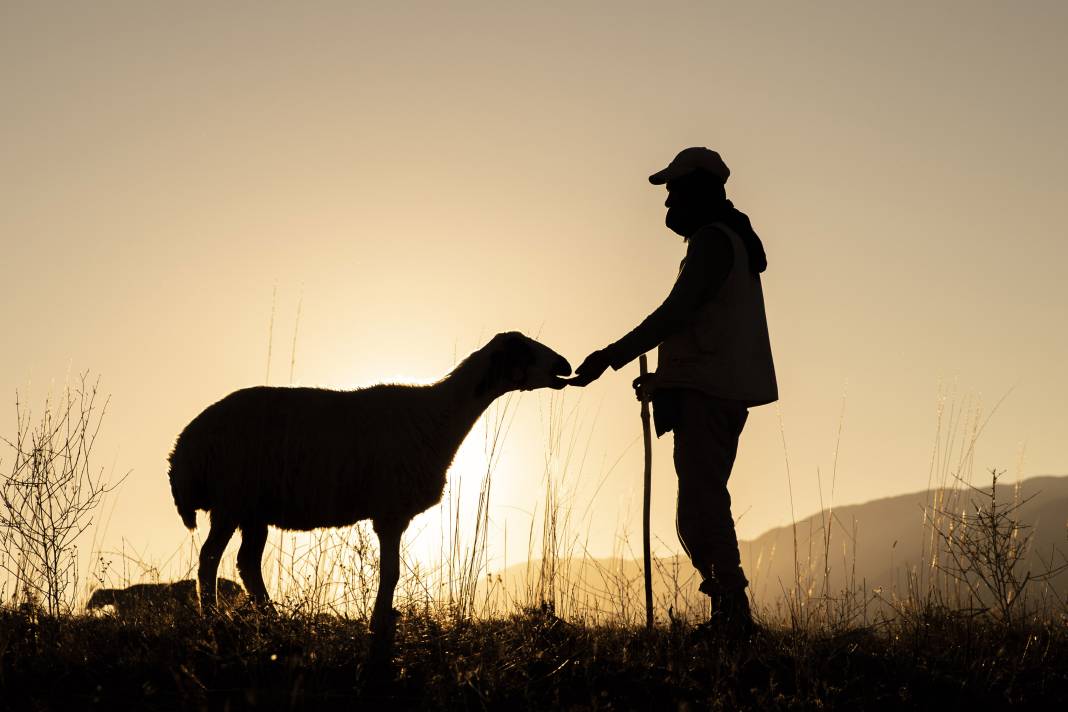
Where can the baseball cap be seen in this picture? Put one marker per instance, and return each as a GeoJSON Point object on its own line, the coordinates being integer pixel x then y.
{"type": "Point", "coordinates": [690, 160]}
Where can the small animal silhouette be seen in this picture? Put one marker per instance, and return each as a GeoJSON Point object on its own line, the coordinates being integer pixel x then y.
{"type": "Point", "coordinates": [173, 596]}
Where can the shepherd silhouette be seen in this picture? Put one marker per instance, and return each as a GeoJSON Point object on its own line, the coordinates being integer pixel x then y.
{"type": "Point", "coordinates": [713, 363]}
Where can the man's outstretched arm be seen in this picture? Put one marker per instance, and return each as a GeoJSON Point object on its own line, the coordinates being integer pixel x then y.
{"type": "Point", "coordinates": [709, 258]}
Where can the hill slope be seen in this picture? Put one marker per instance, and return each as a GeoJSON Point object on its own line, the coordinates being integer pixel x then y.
{"type": "Point", "coordinates": [875, 546]}
{"type": "Point", "coordinates": [879, 542]}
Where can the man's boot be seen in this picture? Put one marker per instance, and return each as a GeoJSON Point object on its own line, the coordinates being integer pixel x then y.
{"type": "Point", "coordinates": [731, 615]}
{"type": "Point", "coordinates": [731, 618]}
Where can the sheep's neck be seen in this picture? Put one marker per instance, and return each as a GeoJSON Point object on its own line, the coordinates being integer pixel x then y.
{"type": "Point", "coordinates": [462, 415]}
{"type": "Point", "coordinates": [464, 406]}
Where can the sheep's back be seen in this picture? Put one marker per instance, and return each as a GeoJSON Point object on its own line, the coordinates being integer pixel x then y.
{"type": "Point", "coordinates": [302, 458]}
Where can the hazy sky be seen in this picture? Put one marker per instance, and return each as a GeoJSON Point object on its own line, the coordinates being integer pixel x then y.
{"type": "Point", "coordinates": [422, 176]}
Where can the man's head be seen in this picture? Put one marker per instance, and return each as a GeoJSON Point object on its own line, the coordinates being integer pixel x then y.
{"type": "Point", "coordinates": [690, 160]}
{"type": "Point", "coordinates": [695, 183]}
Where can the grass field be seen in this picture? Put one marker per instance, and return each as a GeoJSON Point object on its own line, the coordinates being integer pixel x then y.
{"type": "Point", "coordinates": [976, 627]}
{"type": "Point", "coordinates": [530, 660]}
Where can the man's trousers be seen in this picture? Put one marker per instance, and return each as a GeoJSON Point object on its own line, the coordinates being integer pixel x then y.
{"type": "Point", "coordinates": [706, 442]}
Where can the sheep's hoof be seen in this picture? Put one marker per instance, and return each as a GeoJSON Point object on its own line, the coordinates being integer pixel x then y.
{"type": "Point", "coordinates": [380, 656]}
{"type": "Point", "coordinates": [378, 668]}
{"type": "Point", "coordinates": [377, 673]}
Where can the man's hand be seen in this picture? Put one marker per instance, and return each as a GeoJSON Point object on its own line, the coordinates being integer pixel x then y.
{"type": "Point", "coordinates": [590, 369]}
{"type": "Point", "coordinates": [644, 387]}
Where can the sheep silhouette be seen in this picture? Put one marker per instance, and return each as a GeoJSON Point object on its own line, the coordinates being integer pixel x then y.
{"type": "Point", "coordinates": [305, 458]}
{"type": "Point", "coordinates": [152, 598]}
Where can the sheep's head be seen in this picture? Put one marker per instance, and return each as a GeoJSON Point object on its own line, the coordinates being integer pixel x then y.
{"type": "Point", "coordinates": [518, 362]}
{"type": "Point", "coordinates": [100, 598]}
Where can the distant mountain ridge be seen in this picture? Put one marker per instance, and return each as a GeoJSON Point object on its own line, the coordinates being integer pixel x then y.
{"type": "Point", "coordinates": [891, 533]}
{"type": "Point", "coordinates": [874, 546]}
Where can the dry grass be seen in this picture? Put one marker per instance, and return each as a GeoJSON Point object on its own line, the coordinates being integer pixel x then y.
{"type": "Point", "coordinates": [567, 633]}
{"type": "Point", "coordinates": [530, 660]}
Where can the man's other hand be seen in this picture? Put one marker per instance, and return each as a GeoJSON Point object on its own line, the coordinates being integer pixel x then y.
{"type": "Point", "coordinates": [590, 369]}
{"type": "Point", "coordinates": [645, 386]}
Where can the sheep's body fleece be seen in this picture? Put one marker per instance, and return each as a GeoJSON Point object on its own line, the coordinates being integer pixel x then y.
{"type": "Point", "coordinates": [303, 458]}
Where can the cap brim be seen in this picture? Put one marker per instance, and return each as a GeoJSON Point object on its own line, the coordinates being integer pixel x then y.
{"type": "Point", "coordinates": [661, 177]}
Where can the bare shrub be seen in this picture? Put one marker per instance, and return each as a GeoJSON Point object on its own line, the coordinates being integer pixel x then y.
{"type": "Point", "coordinates": [48, 495]}
{"type": "Point", "coordinates": [986, 552]}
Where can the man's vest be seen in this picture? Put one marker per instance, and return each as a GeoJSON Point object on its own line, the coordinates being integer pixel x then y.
{"type": "Point", "coordinates": [726, 352]}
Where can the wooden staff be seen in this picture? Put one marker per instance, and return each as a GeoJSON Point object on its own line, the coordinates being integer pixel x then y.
{"type": "Point", "coordinates": [643, 364]}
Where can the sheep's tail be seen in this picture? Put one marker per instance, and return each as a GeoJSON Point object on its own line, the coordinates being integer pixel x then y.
{"type": "Point", "coordinates": [183, 489]}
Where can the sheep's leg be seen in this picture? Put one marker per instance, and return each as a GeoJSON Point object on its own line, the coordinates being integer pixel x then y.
{"type": "Point", "coordinates": [249, 558]}
{"type": "Point", "coordinates": [389, 538]}
{"type": "Point", "coordinates": [210, 554]}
